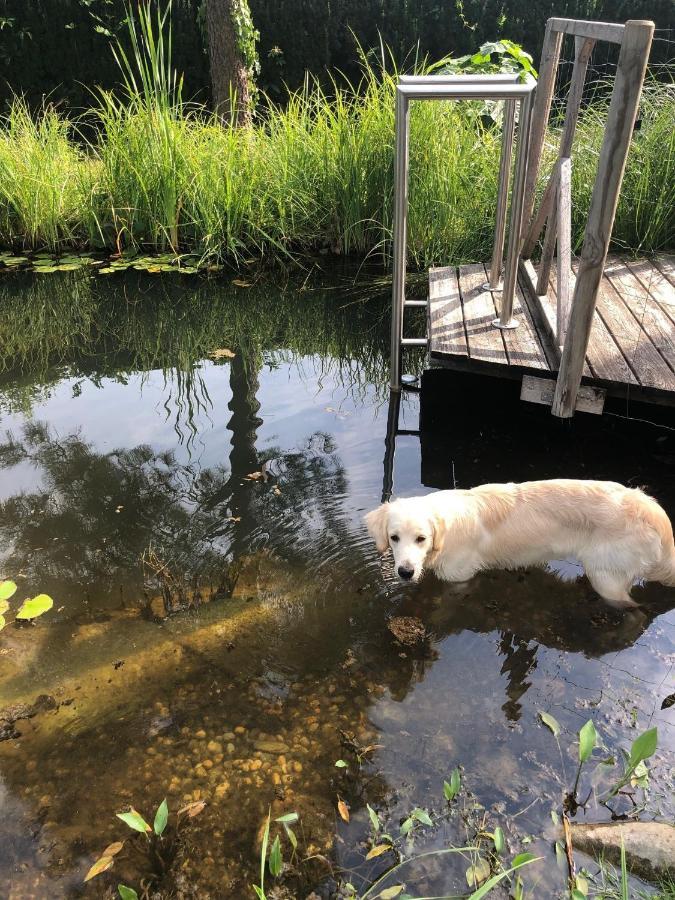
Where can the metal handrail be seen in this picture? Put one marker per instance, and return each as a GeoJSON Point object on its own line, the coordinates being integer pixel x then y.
{"type": "Point", "coordinates": [461, 87]}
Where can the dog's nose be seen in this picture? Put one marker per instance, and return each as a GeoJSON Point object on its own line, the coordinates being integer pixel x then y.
{"type": "Point", "coordinates": [406, 572]}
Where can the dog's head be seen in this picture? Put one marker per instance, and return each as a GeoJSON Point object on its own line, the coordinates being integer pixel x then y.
{"type": "Point", "coordinates": [414, 534]}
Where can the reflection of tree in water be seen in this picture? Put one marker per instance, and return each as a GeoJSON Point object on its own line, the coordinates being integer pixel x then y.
{"type": "Point", "coordinates": [519, 660]}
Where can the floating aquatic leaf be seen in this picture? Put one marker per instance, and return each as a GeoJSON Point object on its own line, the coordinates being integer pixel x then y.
{"type": "Point", "coordinates": [101, 865]}
{"type": "Point", "coordinates": [223, 353]}
{"type": "Point", "coordinates": [107, 270]}
{"type": "Point", "coordinates": [343, 809]}
{"type": "Point", "coordinates": [240, 283]}
{"type": "Point", "coordinates": [188, 270]}
{"type": "Point", "coordinates": [374, 818]}
{"type": "Point", "coordinates": [68, 267]}
{"type": "Point", "coordinates": [3, 621]}
{"type": "Point", "coordinates": [390, 892]}
{"type": "Point", "coordinates": [161, 818]}
{"type": "Point", "coordinates": [406, 826]}
{"type": "Point", "coordinates": [378, 851]}
{"type": "Point", "coordinates": [7, 590]}
{"type": "Point", "coordinates": [42, 270]}
{"type": "Point", "coordinates": [341, 764]}
{"type": "Point", "coordinates": [498, 839]}
{"type": "Point", "coordinates": [192, 809]}
{"type": "Point", "coordinates": [644, 746]}
{"type": "Point", "coordinates": [588, 740]}
{"type": "Point", "coordinates": [113, 849]}
{"type": "Point", "coordinates": [134, 820]}
{"type": "Point", "coordinates": [550, 722]}
{"type": "Point", "coordinates": [15, 260]}
{"type": "Point", "coordinates": [276, 862]}
{"type": "Point", "coordinates": [31, 609]}
{"type": "Point", "coordinates": [478, 872]}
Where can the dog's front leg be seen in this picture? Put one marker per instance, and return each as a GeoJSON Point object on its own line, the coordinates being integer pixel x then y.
{"type": "Point", "coordinates": [457, 569]}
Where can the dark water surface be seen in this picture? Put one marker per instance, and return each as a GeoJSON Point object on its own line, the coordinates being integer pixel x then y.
{"type": "Point", "coordinates": [224, 638]}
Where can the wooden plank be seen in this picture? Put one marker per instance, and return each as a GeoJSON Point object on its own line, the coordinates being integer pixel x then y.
{"type": "Point", "coordinates": [485, 341]}
{"type": "Point", "coordinates": [655, 282]}
{"type": "Point", "coordinates": [548, 68]}
{"type": "Point", "coordinates": [603, 356]}
{"type": "Point", "coordinates": [623, 109]}
{"type": "Point", "coordinates": [564, 248]}
{"type": "Point", "coordinates": [445, 313]}
{"type": "Point", "coordinates": [666, 264]}
{"type": "Point", "coordinates": [644, 359]}
{"type": "Point", "coordinates": [653, 318]}
{"type": "Point", "coordinates": [540, 390]}
{"type": "Point", "coordinates": [598, 31]}
{"type": "Point", "coordinates": [523, 347]}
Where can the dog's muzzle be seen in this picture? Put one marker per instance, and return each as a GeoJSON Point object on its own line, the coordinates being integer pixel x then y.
{"type": "Point", "coordinates": [405, 572]}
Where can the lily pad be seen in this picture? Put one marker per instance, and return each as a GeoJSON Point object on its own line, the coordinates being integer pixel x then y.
{"type": "Point", "coordinates": [7, 589]}
{"type": "Point", "coordinates": [31, 609]}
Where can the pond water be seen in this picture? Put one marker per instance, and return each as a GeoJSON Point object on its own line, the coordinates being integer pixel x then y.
{"type": "Point", "coordinates": [184, 469]}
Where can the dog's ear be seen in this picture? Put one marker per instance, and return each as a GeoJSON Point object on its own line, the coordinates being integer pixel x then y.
{"type": "Point", "coordinates": [376, 522]}
{"type": "Point", "coordinates": [438, 531]}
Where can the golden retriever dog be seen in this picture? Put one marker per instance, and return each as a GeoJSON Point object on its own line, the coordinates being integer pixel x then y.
{"type": "Point", "coordinates": [619, 534]}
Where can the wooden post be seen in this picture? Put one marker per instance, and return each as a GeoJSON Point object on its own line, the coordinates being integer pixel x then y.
{"type": "Point", "coordinates": [564, 248]}
{"type": "Point", "coordinates": [583, 47]}
{"type": "Point", "coordinates": [548, 68]}
{"type": "Point", "coordinates": [623, 109]}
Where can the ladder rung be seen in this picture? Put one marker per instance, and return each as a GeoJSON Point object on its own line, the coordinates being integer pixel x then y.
{"type": "Point", "coordinates": [414, 342]}
{"type": "Point", "coordinates": [407, 432]}
{"type": "Point", "coordinates": [419, 303]}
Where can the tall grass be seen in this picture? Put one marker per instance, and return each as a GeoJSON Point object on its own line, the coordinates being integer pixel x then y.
{"type": "Point", "coordinates": [315, 174]}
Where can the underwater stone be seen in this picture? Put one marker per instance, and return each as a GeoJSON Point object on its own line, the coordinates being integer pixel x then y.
{"type": "Point", "coordinates": [650, 846]}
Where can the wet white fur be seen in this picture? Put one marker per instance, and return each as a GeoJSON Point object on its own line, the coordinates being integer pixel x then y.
{"type": "Point", "coordinates": [619, 534]}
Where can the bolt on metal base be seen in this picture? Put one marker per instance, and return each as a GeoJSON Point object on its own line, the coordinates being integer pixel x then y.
{"type": "Point", "coordinates": [486, 286]}
{"type": "Point", "coordinates": [513, 323]}
{"type": "Point", "coordinates": [409, 379]}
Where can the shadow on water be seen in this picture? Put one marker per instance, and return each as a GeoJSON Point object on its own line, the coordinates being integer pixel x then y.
{"type": "Point", "coordinates": [220, 625]}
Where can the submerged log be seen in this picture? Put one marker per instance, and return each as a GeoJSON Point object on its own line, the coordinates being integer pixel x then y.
{"type": "Point", "coordinates": [650, 846]}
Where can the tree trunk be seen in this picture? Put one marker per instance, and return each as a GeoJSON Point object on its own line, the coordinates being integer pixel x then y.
{"type": "Point", "coordinates": [229, 72]}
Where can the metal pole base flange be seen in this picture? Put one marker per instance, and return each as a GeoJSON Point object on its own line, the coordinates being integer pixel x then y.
{"type": "Point", "coordinates": [509, 325]}
{"type": "Point", "coordinates": [486, 286]}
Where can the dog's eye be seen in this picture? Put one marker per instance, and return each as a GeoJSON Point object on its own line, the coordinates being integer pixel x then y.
{"type": "Point", "coordinates": [420, 539]}
{"type": "Point", "coordinates": [394, 538]}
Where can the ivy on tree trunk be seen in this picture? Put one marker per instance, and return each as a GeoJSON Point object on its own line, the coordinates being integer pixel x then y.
{"type": "Point", "coordinates": [233, 58]}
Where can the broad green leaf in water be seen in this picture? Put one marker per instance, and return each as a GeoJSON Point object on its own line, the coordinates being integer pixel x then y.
{"type": "Point", "coordinates": [31, 609]}
{"type": "Point", "coordinates": [4, 606]}
{"type": "Point", "coordinates": [340, 764]}
{"type": "Point", "coordinates": [161, 818]}
{"type": "Point", "coordinates": [276, 864]}
{"type": "Point", "coordinates": [374, 818]}
{"type": "Point", "coordinates": [550, 722]}
{"type": "Point", "coordinates": [498, 839]}
{"type": "Point", "coordinates": [640, 776]}
{"type": "Point", "coordinates": [378, 851]}
{"type": "Point", "coordinates": [521, 860]}
{"type": "Point", "coordinates": [3, 621]}
{"type": "Point", "coordinates": [422, 816]}
{"type": "Point", "coordinates": [644, 746]}
{"type": "Point", "coordinates": [126, 893]}
{"type": "Point", "coordinates": [7, 590]}
{"type": "Point", "coordinates": [581, 885]}
{"type": "Point", "coordinates": [406, 826]}
{"type": "Point", "coordinates": [577, 894]}
{"type": "Point", "coordinates": [134, 820]}
{"type": "Point", "coordinates": [588, 740]}
{"type": "Point", "coordinates": [390, 892]}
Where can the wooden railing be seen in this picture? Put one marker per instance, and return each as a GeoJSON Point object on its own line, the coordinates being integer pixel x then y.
{"type": "Point", "coordinates": [574, 320]}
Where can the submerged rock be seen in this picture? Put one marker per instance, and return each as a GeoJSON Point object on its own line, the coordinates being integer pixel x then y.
{"type": "Point", "coordinates": [407, 630]}
{"type": "Point", "coordinates": [650, 846]}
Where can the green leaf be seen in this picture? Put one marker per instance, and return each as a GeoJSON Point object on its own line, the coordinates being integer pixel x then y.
{"type": "Point", "coordinates": [161, 818]}
{"type": "Point", "coordinates": [588, 740]}
{"type": "Point", "coordinates": [451, 788]}
{"type": "Point", "coordinates": [263, 856]}
{"type": "Point", "coordinates": [276, 864]}
{"type": "Point", "coordinates": [3, 621]}
{"type": "Point", "coordinates": [478, 872]}
{"type": "Point", "coordinates": [102, 864]}
{"type": "Point", "coordinates": [126, 893]}
{"type": "Point", "coordinates": [288, 819]}
{"type": "Point", "coordinates": [341, 764]}
{"type": "Point", "coordinates": [406, 826]}
{"type": "Point", "coordinates": [31, 609]}
{"type": "Point", "coordinates": [374, 818]}
{"type": "Point", "coordinates": [498, 839]}
{"type": "Point", "coordinates": [134, 820]}
{"type": "Point", "coordinates": [290, 834]}
{"type": "Point", "coordinates": [7, 589]}
{"type": "Point", "coordinates": [577, 895]}
{"type": "Point", "coordinates": [643, 747]}
{"type": "Point", "coordinates": [550, 722]}
{"type": "Point", "coordinates": [422, 816]}
{"type": "Point", "coordinates": [522, 860]}
{"type": "Point", "coordinates": [390, 892]}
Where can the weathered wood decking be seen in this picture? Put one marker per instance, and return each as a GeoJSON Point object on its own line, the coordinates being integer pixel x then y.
{"type": "Point", "coordinates": [632, 340]}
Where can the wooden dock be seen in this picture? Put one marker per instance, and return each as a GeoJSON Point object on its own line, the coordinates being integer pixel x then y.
{"type": "Point", "coordinates": [631, 350]}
